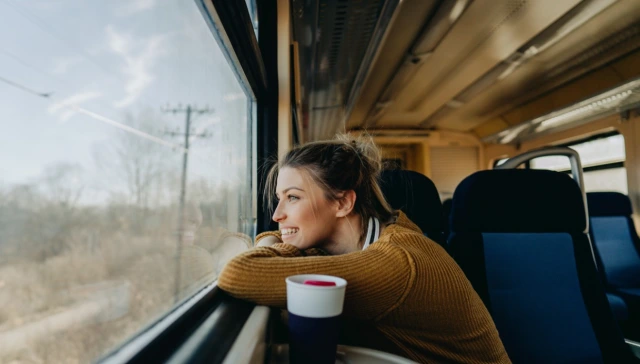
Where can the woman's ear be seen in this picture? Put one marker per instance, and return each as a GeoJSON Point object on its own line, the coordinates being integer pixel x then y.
{"type": "Point", "coordinates": [346, 203]}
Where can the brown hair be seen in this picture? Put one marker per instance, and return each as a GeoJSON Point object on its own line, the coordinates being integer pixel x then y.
{"type": "Point", "coordinates": [342, 164]}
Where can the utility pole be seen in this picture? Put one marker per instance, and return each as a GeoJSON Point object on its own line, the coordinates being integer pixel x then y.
{"type": "Point", "coordinates": [188, 110]}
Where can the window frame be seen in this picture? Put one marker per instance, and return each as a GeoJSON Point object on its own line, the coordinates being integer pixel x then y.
{"type": "Point", "coordinates": [599, 167]}
{"type": "Point", "coordinates": [203, 327]}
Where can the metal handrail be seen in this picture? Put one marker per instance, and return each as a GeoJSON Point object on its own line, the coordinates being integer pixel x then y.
{"type": "Point", "coordinates": [576, 169]}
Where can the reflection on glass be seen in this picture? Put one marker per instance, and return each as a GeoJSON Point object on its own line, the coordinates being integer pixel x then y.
{"type": "Point", "coordinates": [110, 213]}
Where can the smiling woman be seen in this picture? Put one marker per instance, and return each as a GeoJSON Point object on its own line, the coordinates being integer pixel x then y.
{"type": "Point", "coordinates": [125, 176]}
{"type": "Point", "coordinates": [318, 185]}
{"type": "Point", "coordinates": [329, 202]}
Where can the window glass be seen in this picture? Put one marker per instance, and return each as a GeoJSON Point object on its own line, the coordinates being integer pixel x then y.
{"type": "Point", "coordinates": [613, 179]}
{"type": "Point", "coordinates": [601, 151]}
{"type": "Point", "coordinates": [595, 155]}
{"type": "Point", "coordinates": [107, 218]}
{"type": "Point", "coordinates": [592, 153]}
{"type": "Point", "coordinates": [555, 163]}
{"type": "Point", "coordinates": [500, 161]}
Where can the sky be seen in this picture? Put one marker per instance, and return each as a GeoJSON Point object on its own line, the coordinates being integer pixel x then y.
{"type": "Point", "coordinates": [77, 74]}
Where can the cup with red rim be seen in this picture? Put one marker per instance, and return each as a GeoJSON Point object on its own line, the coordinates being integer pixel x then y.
{"type": "Point", "coordinates": [315, 303]}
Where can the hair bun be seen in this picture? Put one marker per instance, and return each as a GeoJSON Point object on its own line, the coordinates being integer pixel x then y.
{"type": "Point", "coordinates": [366, 149]}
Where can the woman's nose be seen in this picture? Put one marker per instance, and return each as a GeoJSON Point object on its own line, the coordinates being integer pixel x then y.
{"type": "Point", "coordinates": [278, 214]}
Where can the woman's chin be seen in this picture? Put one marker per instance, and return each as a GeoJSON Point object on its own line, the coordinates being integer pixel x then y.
{"type": "Point", "coordinates": [289, 239]}
{"type": "Point", "coordinates": [296, 241]}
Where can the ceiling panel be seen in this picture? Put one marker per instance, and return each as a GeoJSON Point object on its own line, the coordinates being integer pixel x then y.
{"type": "Point", "coordinates": [609, 35]}
{"type": "Point", "coordinates": [411, 17]}
{"type": "Point", "coordinates": [335, 40]}
{"type": "Point", "coordinates": [501, 62]}
{"type": "Point", "coordinates": [478, 41]}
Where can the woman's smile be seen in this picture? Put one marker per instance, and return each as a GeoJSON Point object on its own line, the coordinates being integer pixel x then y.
{"type": "Point", "coordinates": [288, 233]}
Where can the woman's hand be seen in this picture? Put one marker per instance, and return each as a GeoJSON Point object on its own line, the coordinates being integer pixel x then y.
{"type": "Point", "coordinates": [268, 241]}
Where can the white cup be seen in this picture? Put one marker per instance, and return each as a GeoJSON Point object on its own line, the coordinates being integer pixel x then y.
{"type": "Point", "coordinates": [315, 301]}
{"type": "Point", "coordinates": [314, 317]}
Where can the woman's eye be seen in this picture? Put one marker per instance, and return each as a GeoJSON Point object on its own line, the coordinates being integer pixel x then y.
{"type": "Point", "coordinates": [292, 198]}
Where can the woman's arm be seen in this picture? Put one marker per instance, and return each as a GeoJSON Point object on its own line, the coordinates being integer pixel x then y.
{"type": "Point", "coordinates": [268, 241]}
{"type": "Point", "coordinates": [378, 279]}
{"type": "Point", "coordinates": [270, 238]}
{"type": "Point", "coordinates": [269, 235]}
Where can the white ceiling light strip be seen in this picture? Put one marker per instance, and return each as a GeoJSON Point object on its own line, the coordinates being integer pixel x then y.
{"type": "Point", "coordinates": [607, 103]}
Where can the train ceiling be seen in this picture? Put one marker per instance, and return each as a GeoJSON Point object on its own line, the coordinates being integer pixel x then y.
{"type": "Point", "coordinates": [479, 66]}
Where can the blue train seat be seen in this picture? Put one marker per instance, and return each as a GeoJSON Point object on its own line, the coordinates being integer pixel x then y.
{"type": "Point", "coordinates": [415, 195]}
{"type": "Point", "coordinates": [519, 237]}
{"type": "Point", "coordinates": [616, 244]}
{"type": "Point", "coordinates": [618, 307]}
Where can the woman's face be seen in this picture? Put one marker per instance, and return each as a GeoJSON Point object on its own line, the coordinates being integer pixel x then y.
{"type": "Point", "coordinates": [306, 217]}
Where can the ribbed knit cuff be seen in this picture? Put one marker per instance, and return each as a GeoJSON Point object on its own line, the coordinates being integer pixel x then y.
{"type": "Point", "coordinates": [287, 250]}
{"type": "Point", "coordinates": [276, 234]}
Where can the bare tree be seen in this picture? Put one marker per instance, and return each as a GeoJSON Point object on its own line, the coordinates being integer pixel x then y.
{"type": "Point", "coordinates": [138, 166]}
{"type": "Point", "coordinates": [63, 184]}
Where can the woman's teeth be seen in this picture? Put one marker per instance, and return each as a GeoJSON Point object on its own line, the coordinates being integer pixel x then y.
{"type": "Point", "coordinates": [289, 231]}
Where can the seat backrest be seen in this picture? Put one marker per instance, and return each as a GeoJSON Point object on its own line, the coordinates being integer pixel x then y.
{"type": "Point", "coordinates": [417, 196]}
{"type": "Point", "coordinates": [446, 214]}
{"type": "Point", "coordinates": [615, 238]}
{"type": "Point", "coordinates": [519, 237]}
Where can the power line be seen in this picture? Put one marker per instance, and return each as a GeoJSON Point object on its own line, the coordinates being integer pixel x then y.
{"type": "Point", "coordinates": [47, 29]}
{"type": "Point", "coordinates": [127, 128]}
{"type": "Point", "coordinates": [46, 95]}
{"type": "Point", "coordinates": [96, 116]}
{"type": "Point", "coordinates": [27, 64]}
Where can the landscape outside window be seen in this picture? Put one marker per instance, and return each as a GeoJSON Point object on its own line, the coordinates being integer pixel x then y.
{"type": "Point", "coordinates": [107, 218]}
{"type": "Point", "coordinates": [594, 153]}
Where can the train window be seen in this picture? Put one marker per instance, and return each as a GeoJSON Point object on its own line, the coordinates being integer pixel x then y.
{"type": "Point", "coordinates": [125, 170]}
{"type": "Point", "coordinates": [555, 163]}
{"type": "Point", "coordinates": [602, 159]}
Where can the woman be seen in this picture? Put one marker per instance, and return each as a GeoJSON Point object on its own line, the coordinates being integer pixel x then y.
{"type": "Point", "coordinates": [404, 288]}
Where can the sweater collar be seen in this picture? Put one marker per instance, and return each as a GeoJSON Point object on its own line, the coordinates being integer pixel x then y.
{"type": "Point", "coordinates": [402, 221]}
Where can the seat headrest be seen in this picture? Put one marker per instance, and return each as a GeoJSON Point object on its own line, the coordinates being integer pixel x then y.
{"type": "Point", "coordinates": [446, 206]}
{"type": "Point", "coordinates": [416, 196]}
{"type": "Point", "coordinates": [517, 200]}
{"type": "Point", "coordinates": [609, 204]}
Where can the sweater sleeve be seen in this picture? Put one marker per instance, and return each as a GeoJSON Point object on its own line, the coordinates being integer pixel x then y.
{"type": "Point", "coordinates": [275, 234]}
{"type": "Point", "coordinates": [378, 278]}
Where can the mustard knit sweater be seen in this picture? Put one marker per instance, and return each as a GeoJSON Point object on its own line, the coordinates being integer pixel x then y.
{"type": "Point", "coordinates": [404, 285]}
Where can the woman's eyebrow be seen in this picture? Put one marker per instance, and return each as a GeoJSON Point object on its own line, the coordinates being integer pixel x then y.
{"type": "Point", "coordinates": [292, 188]}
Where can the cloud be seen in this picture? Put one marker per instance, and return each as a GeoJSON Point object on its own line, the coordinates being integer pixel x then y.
{"type": "Point", "coordinates": [135, 6]}
{"type": "Point", "coordinates": [137, 67]}
{"type": "Point", "coordinates": [62, 65]}
{"type": "Point", "coordinates": [66, 105]}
